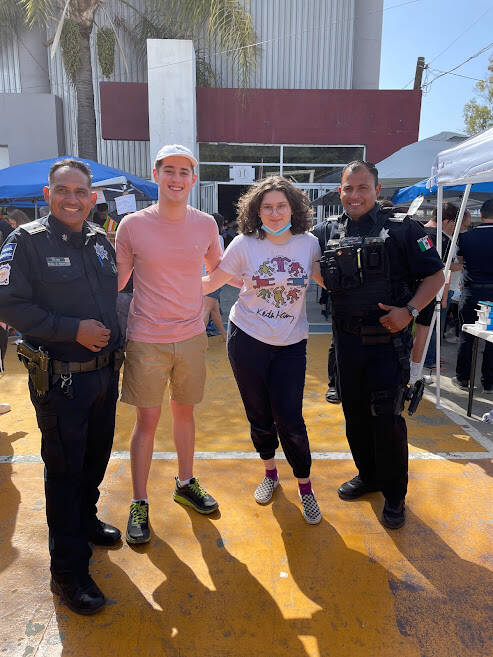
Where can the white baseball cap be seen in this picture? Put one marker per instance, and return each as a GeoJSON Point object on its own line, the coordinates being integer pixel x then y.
{"type": "Point", "coordinates": [175, 149]}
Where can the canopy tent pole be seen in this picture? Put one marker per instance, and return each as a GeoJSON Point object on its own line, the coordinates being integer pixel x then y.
{"type": "Point", "coordinates": [448, 262]}
{"type": "Point", "coordinates": [438, 302]}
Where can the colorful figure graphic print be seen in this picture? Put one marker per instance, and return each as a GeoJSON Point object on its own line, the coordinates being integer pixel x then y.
{"type": "Point", "coordinates": [279, 282]}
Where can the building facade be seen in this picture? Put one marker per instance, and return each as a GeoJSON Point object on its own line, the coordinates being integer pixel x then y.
{"type": "Point", "coordinates": [313, 101]}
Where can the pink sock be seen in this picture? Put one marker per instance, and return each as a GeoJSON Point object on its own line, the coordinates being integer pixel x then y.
{"type": "Point", "coordinates": [305, 489]}
{"type": "Point", "coordinates": [271, 474]}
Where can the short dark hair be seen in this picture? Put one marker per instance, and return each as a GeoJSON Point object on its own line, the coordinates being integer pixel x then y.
{"type": "Point", "coordinates": [219, 220]}
{"type": "Point", "coordinates": [386, 203]}
{"type": "Point", "coordinates": [249, 222]}
{"type": "Point", "coordinates": [450, 212]}
{"type": "Point", "coordinates": [103, 207]}
{"type": "Point", "coordinates": [357, 165]}
{"type": "Point", "coordinates": [486, 209]}
{"type": "Point", "coordinates": [72, 164]}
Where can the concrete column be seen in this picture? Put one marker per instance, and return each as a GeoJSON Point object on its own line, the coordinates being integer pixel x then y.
{"type": "Point", "coordinates": [33, 62]}
{"type": "Point", "coordinates": [171, 86]}
{"type": "Point", "coordinates": [367, 43]}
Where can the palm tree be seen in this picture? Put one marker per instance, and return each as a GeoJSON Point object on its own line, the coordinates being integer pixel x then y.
{"type": "Point", "coordinates": [224, 23]}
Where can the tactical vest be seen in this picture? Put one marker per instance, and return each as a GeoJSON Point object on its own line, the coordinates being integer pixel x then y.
{"type": "Point", "coordinates": [356, 272]}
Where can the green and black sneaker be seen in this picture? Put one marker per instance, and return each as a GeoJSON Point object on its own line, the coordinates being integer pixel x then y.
{"type": "Point", "coordinates": [138, 523]}
{"type": "Point", "coordinates": [192, 494]}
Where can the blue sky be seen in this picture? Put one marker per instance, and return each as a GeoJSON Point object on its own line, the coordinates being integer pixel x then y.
{"type": "Point", "coordinates": [426, 28]}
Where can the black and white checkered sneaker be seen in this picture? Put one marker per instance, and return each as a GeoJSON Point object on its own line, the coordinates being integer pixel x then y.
{"type": "Point", "coordinates": [265, 490]}
{"type": "Point", "coordinates": [311, 511]}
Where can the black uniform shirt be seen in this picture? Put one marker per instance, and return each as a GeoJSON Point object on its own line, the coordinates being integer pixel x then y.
{"type": "Point", "coordinates": [476, 247]}
{"type": "Point", "coordinates": [51, 278]}
{"type": "Point", "coordinates": [431, 231]}
{"type": "Point", "coordinates": [411, 256]}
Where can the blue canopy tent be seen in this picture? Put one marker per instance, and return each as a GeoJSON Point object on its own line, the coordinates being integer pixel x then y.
{"type": "Point", "coordinates": [23, 183]}
{"type": "Point", "coordinates": [479, 191]}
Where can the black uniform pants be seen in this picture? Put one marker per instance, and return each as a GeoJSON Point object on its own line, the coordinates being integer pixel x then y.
{"type": "Point", "coordinates": [470, 298]}
{"type": "Point", "coordinates": [271, 380]}
{"type": "Point", "coordinates": [76, 441]}
{"type": "Point", "coordinates": [332, 364]}
{"type": "Point", "coordinates": [378, 443]}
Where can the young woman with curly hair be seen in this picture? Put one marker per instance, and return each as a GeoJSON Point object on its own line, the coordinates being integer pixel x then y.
{"type": "Point", "coordinates": [274, 257]}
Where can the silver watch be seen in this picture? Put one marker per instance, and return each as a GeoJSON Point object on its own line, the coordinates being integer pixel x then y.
{"type": "Point", "coordinates": [414, 312]}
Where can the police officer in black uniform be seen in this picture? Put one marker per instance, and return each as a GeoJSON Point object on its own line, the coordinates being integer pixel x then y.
{"type": "Point", "coordinates": [380, 271]}
{"type": "Point", "coordinates": [58, 286]}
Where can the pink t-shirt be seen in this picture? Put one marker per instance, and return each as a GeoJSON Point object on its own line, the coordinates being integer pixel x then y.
{"type": "Point", "coordinates": [166, 258]}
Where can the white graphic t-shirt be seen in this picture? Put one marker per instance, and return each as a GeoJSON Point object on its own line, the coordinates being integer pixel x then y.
{"type": "Point", "coordinates": [271, 306]}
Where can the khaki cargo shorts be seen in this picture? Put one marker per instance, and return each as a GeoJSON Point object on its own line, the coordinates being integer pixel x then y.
{"type": "Point", "coordinates": [149, 367]}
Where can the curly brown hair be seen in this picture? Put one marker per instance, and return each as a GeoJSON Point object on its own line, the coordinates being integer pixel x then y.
{"type": "Point", "coordinates": [249, 222]}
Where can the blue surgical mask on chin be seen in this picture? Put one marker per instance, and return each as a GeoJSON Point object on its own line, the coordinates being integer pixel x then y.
{"type": "Point", "coordinates": [276, 232]}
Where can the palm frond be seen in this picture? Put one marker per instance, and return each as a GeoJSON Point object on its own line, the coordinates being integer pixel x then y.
{"type": "Point", "coordinates": [151, 24]}
{"type": "Point", "coordinates": [228, 27]}
{"type": "Point", "coordinates": [37, 11]}
{"type": "Point", "coordinates": [10, 15]}
{"type": "Point", "coordinates": [233, 31]}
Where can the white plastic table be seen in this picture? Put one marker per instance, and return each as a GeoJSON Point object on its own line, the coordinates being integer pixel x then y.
{"type": "Point", "coordinates": [478, 334]}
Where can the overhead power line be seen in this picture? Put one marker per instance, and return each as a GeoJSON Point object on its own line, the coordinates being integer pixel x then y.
{"type": "Point", "coordinates": [450, 71]}
{"type": "Point", "coordinates": [452, 42]}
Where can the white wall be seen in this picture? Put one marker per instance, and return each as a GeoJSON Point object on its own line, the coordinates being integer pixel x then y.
{"type": "Point", "coordinates": [171, 80]}
{"type": "Point", "coordinates": [367, 43]}
{"type": "Point", "coordinates": [4, 157]}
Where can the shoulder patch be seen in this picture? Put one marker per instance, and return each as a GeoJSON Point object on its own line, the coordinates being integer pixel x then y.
{"type": "Point", "coordinates": [33, 227]}
{"type": "Point", "coordinates": [424, 243]}
{"type": "Point", "coordinates": [7, 252]}
{"type": "Point", "coordinates": [4, 274]}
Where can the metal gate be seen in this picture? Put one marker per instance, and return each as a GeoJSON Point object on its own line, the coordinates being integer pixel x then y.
{"type": "Point", "coordinates": [314, 191]}
{"type": "Point", "coordinates": [208, 197]}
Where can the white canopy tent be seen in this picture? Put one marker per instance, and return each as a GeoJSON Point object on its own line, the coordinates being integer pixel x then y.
{"type": "Point", "coordinates": [468, 163]}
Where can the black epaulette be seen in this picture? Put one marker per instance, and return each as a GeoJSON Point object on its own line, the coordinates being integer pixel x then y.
{"type": "Point", "coordinates": [97, 228]}
{"type": "Point", "coordinates": [33, 227]}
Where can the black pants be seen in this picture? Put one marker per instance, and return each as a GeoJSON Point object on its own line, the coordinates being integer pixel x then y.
{"type": "Point", "coordinates": [4, 340]}
{"type": "Point", "coordinates": [467, 315]}
{"type": "Point", "coordinates": [271, 380]}
{"type": "Point", "coordinates": [76, 441]}
{"type": "Point", "coordinates": [332, 363]}
{"type": "Point", "coordinates": [378, 442]}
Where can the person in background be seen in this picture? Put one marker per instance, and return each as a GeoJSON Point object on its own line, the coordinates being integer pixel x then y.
{"type": "Point", "coordinates": [212, 309]}
{"type": "Point", "coordinates": [423, 320]}
{"type": "Point", "coordinates": [322, 231]}
{"type": "Point", "coordinates": [5, 229]}
{"type": "Point", "coordinates": [103, 219]}
{"type": "Point", "coordinates": [4, 337]}
{"type": "Point", "coordinates": [475, 249]}
{"type": "Point", "coordinates": [230, 230]}
{"type": "Point", "coordinates": [17, 218]}
{"type": "Point", "coordinates": [275, 257]}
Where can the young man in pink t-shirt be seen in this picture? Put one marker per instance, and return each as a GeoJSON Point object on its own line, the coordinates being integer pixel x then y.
{"type": "Point", "coordinates": [165, 246]}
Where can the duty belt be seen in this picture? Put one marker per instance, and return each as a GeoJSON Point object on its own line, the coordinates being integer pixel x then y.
{"type": "Point", "coordinates": [369, 334]}
{"type": "Point", "coordinates": [61, 367]}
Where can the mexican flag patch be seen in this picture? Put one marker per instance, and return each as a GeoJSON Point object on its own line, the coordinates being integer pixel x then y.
{"type": "Point", "coordinates": [425, 243]}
